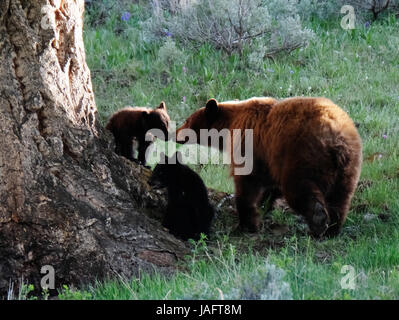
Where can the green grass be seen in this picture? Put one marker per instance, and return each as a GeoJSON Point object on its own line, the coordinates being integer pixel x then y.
{"type": "Point", "coordinates": [211, 273]}
{"type": "Point", "coordinates": [358, 70]}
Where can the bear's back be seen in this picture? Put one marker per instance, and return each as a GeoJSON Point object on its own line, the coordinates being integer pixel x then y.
{"type": "Point", "coordinates": [253, 102]}
{"type": "Point", "coordinates": [126, 117]}
{"type": "Point", "coordinates": [247, 114]}
{"type": "Point", "coordinates": [193, 182]}
{"type": "Point", "coordinates": [308, 133]}
{"type": "Point", "coordinates": [309, 116]}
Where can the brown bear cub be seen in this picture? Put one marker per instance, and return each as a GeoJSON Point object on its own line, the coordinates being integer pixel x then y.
{"type": "Point", "coordinates": [189, 212]}
{"type": "Point", "coordinates": [306, 149]}
{"type": "Point", "coordinates": [129, 123]}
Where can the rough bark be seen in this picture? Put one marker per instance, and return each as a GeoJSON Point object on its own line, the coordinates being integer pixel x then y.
{"type": "Point", "coordinates": [66, 199]}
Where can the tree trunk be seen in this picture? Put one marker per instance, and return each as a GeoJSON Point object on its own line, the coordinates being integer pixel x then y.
{"type": "Point", "coordinates": [66, 200]}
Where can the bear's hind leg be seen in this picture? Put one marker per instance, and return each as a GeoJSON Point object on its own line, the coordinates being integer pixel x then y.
{"type": "Point", "coordinates": [207, 220]}
{"type": "Point", "coordinates": [248, 193]}
{"type": "Point", "coordinates": [306, 198]}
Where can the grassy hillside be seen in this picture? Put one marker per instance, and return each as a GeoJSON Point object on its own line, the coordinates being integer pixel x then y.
{"type": "Point", "coordinates": [358, 70]}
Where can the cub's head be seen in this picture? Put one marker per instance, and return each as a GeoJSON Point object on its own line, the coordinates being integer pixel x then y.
{"type": "Point", "coordinates": [157, 119]}
{"type": "Point", "coordinates": [203, 118]}
{"type": "Point", "coordinates": [165, 171]}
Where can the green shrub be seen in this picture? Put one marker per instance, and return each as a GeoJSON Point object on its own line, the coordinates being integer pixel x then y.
{"type": "Point", "coordinates": [364, 9]}
{"type": "Point", "coordinates": [373, 7]}
{"type": "Point", "coordinates": [68, 293]}
{"type": "Point", "coordinates": [264, 283]}
{"type": "Point", "coordinates": [169, 55]}
{"type": "Point", "coordinates": [231, 25]}
{"type": "Point", "coordinates": [321, 9]}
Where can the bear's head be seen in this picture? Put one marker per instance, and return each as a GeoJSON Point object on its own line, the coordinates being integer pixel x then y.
{"type": "Point", "coordinates": [204, 118]}
{"type": "Point", "coordinates": [318, 220]}
{"type": "Point", "coordinates": [165, 171]}
{"type": "Point", "coordinates": [156, 119]}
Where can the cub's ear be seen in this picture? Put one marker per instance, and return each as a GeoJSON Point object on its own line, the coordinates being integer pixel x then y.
{"type": "Point", "coordinates": [162, 105]}
{"type": "Point", "coordinates": [211, 109]}
{"type": "Point", "coordinates": [144, 119]}
{"type": "Point", "coordinates": [144, 115]}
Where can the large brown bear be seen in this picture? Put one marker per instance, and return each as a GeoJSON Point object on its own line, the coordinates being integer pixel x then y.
{"type": "Point", "coordinates": [306, 149]}
{"type": "Point", "coordinates": [129, 123]}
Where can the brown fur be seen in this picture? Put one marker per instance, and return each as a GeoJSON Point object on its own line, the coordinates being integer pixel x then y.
{"type": "Point", "coordinates": [133, 123]}
{"type": "Point", "coordinates": [306, 149]}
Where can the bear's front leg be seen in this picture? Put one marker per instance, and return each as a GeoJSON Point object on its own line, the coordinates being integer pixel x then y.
{"type": "Point", "coordinates": [248, 193]}
{"type": "Point", "coordinates": [143, 145]}
{"type": "Point", "coordinates": [124, 147]}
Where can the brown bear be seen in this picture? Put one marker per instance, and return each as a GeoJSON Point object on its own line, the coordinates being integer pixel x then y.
{"type": "Point", "coordinates": [306, 149]}
{"type": "Point", "coordinates": [134, 122]}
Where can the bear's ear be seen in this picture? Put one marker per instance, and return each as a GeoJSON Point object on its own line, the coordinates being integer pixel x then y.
{"type": "Point", "coordinates": [211, 109]}
{"type": "Point", "coordinates": [162, 105]}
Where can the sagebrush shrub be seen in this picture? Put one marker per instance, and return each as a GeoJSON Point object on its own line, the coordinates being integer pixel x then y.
{"type": "Point", "coordinates": [231, 25]}
{"type": "Point", "coordinates": [97, 12]}
{"type": "Point", "coordinates": [169, 55]}
{"type": "Point", "coordinates": [264, 283]}
{"type": "Point", "coordinates": [325, 9]}
{"type": "Point", "coordinates": [374, 7]}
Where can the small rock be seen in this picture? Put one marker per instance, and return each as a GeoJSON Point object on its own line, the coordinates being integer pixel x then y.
{"type": "Point", "coordinates": [369, 217]}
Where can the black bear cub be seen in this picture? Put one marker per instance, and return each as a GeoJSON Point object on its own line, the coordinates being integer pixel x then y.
{"type": "Point", "coordinates": [189, 212]}
{"type": "Point", "coordinates": [133, 123]}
